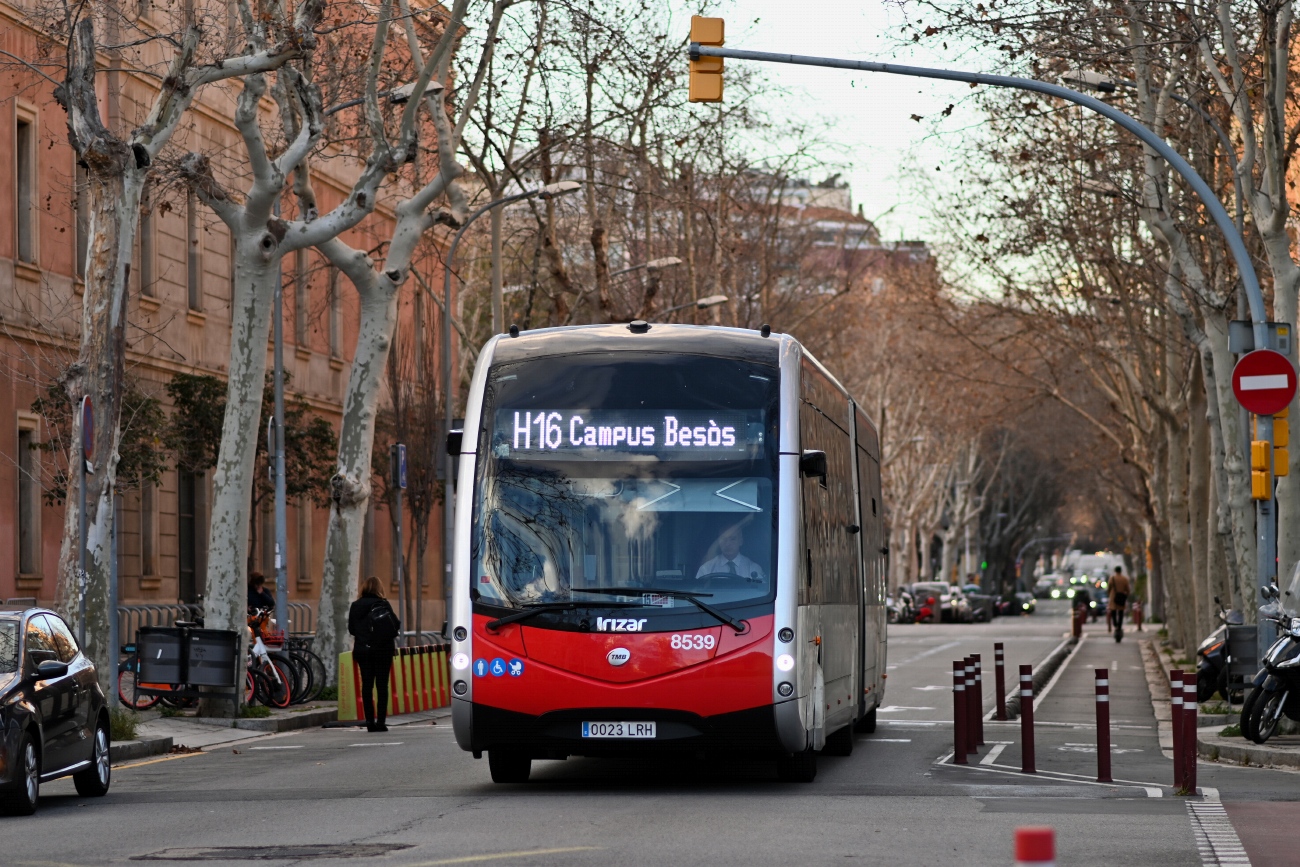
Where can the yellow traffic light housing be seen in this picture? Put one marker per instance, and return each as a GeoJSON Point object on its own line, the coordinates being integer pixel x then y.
{"type": "Point", "coordinates": [1261, 466]}
{"type": "Point", "coordinates": [706, 72]}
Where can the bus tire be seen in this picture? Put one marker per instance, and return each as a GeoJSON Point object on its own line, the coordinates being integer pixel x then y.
{"type": "Point", "coordinates": [840, 743]}
{"type": "Point", "coordinates": [798, 768]}
{"type": "Point", "coordinates": [509, 767]}
{"type": "Point", "coordinates": [867, 724]}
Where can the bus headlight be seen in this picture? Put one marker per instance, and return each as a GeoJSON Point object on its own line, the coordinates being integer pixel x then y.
{"type": "Point", "coordinates": [785, 688]}
{"type": "Point", "coordinates": [459, 687]}
{"type": "Point", "coordinates": [785, 662]}
{"type": "Point", "coordinates": [460, 661]}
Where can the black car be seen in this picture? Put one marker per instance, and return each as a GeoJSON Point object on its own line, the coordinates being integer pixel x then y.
{"type": "Point", "coordinates": [53, 717]}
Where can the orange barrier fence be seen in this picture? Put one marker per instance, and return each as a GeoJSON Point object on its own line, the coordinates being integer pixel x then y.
{"type": "Point", "coordinates": [419, 681]}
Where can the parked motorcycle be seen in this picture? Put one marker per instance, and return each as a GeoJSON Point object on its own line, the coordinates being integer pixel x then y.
{"type": "Point", "coordinates": [899, 609]}
{"type": "Point", "coordinates": [1212, 656]}
{"type": "Point", "coordinates": [1276, 689]}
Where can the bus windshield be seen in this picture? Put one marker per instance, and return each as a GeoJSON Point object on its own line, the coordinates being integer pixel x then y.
{"type": "Point", "coordinates": [642, 472]}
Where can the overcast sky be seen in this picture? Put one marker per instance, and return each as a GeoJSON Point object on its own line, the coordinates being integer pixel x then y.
{"type": "Point", "coordinates": [871, 112]}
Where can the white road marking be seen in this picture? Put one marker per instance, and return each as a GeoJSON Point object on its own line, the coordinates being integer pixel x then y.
{"type": "Point", "coordinates": [298, 747]}
{"type": "Point", "coordinates": [1216, 838]}
{"type": "Point", "coordinates": [1114, 665]}
{"type": "Point", "coordinates": [931, 652]}
{"type": "Point", "coordinates": [890, 740]}
{"type": "Point", "coordinates": [1153, 792]}
{"type": "Point", "coordinates": [895, 708]}
{"type": "Point", "coordinates": [384, 744]}
{"type": "Point", "coordinates": [993, 754]}
{"type": "Point", "coordinates": [930, 688]}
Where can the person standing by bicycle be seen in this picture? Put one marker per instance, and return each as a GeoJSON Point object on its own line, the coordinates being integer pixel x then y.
{"type": "Point", "coordinates": [374, 628]}
{"type": "Point", "coordinates": [1117, 591]}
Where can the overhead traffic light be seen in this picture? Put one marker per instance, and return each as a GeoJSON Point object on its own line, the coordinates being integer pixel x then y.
{"type": "Point", "coordinates": [706, 72]}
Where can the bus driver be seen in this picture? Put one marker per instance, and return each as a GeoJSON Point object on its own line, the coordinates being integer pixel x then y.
{"type": "Point", "coordinates": [729, 559]}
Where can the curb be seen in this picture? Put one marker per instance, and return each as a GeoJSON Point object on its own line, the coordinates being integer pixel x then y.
{"type": "Point", "coordinates": [127, 751]}
{"type": "Point", "coordinates": [290, 722]}
{"type": "Point", "coordinates": [1238, 751]}
{"type": "Point", "coordinates": [1042, 674]}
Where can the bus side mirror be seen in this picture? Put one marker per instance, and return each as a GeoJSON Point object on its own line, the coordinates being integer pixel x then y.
{"type": "Point", "coordinates": [454, 439]}
{"type": "Point", "coordinates": [812, 464]}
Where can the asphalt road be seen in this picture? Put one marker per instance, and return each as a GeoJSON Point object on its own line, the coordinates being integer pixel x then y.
{"type": "Point", "coordinates": [411, 797]}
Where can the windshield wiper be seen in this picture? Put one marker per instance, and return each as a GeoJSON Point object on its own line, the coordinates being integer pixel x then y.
{"type": "Point", "coordinates": [675, 594]}
{"type": "Point", "coordinates": [543, 607]}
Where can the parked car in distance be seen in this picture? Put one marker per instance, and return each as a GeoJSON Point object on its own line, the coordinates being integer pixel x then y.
{"type": "Point", "coordinates": [1026, 602]}
{"type": "Point", "coordinates": [983, 606]}
{"type": "Point", "coordinates": [951, 603]}
{"type": "Point", "coordinates": [53, 717]}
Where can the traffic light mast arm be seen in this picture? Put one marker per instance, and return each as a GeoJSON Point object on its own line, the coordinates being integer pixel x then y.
{"type": "Point", "coordinates": [1236, 244]}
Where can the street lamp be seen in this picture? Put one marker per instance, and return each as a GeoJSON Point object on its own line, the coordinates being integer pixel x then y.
{"type": "Point", "coordinates": [550, 191]}
{"type": "Point", "coordinates": [652, 266]}
{"type": "Point", "coordinates": [702, 304]}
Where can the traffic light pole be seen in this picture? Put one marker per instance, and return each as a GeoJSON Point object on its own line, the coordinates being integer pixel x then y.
{"type": "Point", "coordinates": [1265, 529]}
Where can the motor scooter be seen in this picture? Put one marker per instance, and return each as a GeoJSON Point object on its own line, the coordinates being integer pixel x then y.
{"type": "Point", "coordinates": [1276, 688]}
{"type": "Point", "coordinates": [1212, 656]}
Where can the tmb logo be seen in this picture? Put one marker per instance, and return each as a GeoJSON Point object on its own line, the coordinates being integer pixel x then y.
{"type": "Point", "coordinates": [615, 624]}
{"type": "Point", "coordinates": [618, 656]}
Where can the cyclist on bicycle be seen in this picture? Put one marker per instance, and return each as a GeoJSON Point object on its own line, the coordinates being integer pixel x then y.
{"type": "Point", "coordinates": [1117, 599]}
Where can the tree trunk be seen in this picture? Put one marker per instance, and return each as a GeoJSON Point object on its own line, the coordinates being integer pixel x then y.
{"type": "Point", "coordinates": [1198, 496]}
{"type": "Point", "coordinates": [351, 487]}
{"type": "Point", "coordinates": [114, 188]}
{"type": "Point", "coordinates": [1178, 587]}
{"type": "Point", "coordinates": [1241, 506]}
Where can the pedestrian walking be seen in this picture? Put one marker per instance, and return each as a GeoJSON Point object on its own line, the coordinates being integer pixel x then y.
{"type": "Point", "coordinates": [374, 628]}
{"type": "Point", "coordinates": [1118, 590]}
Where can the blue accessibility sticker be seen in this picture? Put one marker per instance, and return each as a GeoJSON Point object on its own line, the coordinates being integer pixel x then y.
{"type": "Point", "coordinates": [498, 667]}
{"type": "Point", "coordinates": [516, 667]}
{"type": "Point", "coordinates": [480, 668]}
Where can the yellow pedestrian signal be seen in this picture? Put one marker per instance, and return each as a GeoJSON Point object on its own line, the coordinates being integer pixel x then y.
{"type": "Point", "coordinates": [1281, 461]}
{"type": "Point", "coordinates": [1261, 485]}
{"type": "Point", "coordinates": [1260, 457]}
{"type": "Point", "coordinates": [706, 72]}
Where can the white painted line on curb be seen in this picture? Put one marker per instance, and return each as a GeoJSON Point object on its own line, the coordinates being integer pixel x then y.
{"type": "Point", "coordinates": [1038, 699]}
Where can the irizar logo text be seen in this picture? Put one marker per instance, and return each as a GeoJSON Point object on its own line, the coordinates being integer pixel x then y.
{"type": "Point", "coordinates": [616, 624]}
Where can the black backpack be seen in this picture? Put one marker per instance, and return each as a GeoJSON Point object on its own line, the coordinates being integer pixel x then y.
{"type": "Point", "coordinates": [381, 624]}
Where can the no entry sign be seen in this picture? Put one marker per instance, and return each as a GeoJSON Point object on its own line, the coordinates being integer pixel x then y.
{"type": "Point", "coordinates": [1264, 381]}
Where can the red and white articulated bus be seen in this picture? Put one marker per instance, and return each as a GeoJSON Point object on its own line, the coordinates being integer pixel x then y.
{"type": "Point", "coordinates": [668, 537]}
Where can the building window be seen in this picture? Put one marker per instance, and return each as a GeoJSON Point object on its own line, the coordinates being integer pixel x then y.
{"type": "Point", "coordinates": [300, 298]}
{"type": "Point", "coordinates": [304, 541]}
{"type": "Point", "coordinates": [82, 226]}
{"type": "Point", "coordinates": [336, 315]}
{"type": "Point", "coordinates": [29, 504]}
{"type": "Point", "coordinates": [25, 187]}
{"type": "Point", "coordinates": [187, 527]}
{"type": "Point", "coordinates": [193, 252]}
{"type": "Point", "coordinates": [148, 530]}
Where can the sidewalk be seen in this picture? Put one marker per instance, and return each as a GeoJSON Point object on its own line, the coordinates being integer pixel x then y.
{"type": "Point", "coordinates": [185, 732]}
{"type": "Point", "coordinates": [1281, 751]}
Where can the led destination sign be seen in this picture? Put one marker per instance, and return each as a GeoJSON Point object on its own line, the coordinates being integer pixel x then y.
{"type": "Point", "coordinates": [620, 433]}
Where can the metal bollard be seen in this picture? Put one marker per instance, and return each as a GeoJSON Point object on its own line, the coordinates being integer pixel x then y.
{"type": "Point", "coordinates": [979, 700]}
{"type": "Point", "coordinates": [1027, 720]}
{"type": "Point", "coordinates": [1000, 681]}
{"type": "Point", "coordinates": [971, 709]}
{"type": "Point", "coordinates": [1176, 722]}
{"type": "Point", "coordinates": [1035, 847]}
{"type": "Point", "coordinates": [1189, 732]}
{"type": "Point", "coordinates": [958, 713]}
{"type": "Point", "coordinates": [1103, 725]}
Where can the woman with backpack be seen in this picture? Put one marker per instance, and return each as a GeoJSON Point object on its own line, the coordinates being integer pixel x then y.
{"type": "Point", "coordinates": [375, 628]}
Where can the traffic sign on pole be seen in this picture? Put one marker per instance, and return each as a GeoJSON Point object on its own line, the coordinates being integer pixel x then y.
{"type": "Point", "coordinates": [1264, 381]}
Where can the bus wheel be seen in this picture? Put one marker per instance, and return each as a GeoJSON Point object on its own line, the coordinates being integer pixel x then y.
{"type": "Point", "coordinates": [839, 743]}
{"type": "Point", "coordinates": [867, 724]}
{"type": "Point", "coordinates": [798, 768]}
{"type": "Point", "coordinates": [509, 767]}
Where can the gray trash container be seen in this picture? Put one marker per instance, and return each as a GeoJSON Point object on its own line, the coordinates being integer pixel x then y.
{"type": "Point", "coordinates": [162, 654]}
{"type": "Point", "coordinates": [212, 657]}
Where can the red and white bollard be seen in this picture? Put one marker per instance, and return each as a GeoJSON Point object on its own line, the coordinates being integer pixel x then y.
{"type": "Point", "coordinates": [972, 741]}
{"type": "Point", "coordinates": [1176, 722]}
{"type": "Point", "coordinates": [1189, 732]}
{"type": "Point", "coordinates": [979, 700]}
{"type": "Point", "coordinates": [1103, 725]}
{"type": "Point", "coordinates": [1035, 847]}
{"type": "Point", "coordinates": [1027, 720]}
{"type": "Point", "coordinates": [958, 713]}
{"type": "Point", "coordinates": [1000, 681]}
